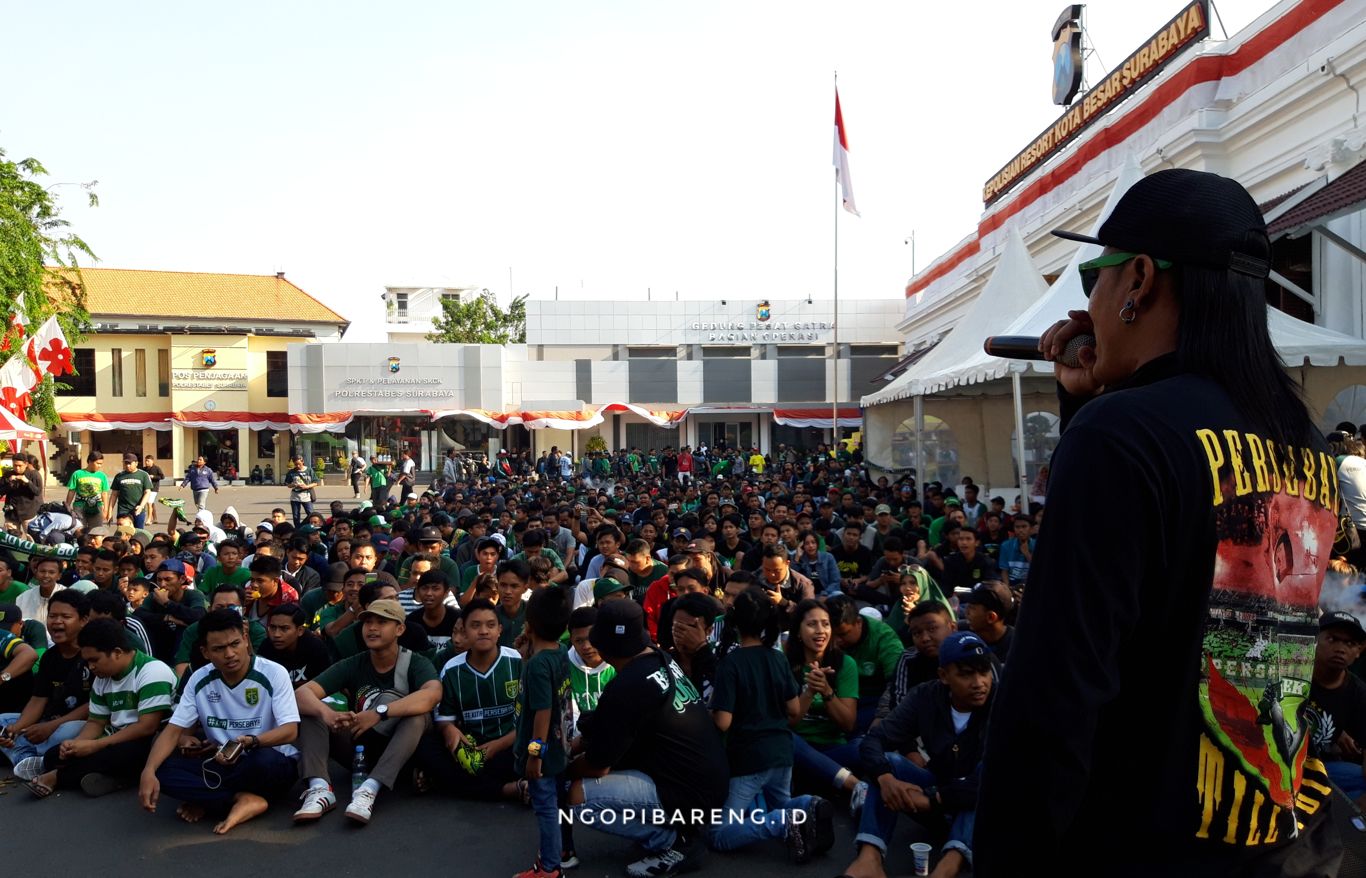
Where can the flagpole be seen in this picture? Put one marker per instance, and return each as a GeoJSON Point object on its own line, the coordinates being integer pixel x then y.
{"type": "Point", "coordinates": [835, 317]}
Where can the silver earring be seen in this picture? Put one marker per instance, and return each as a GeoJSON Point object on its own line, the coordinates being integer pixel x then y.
{"type": "Point", "coordinates": [1128, 314]}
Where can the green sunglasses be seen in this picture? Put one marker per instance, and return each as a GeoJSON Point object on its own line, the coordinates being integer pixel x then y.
{"type": "Point", "coordinates": [1090, 271]}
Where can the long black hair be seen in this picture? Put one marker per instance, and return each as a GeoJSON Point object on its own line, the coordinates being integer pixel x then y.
{"type": "Point", "coordinates": [796, 651]}
{"type": "Point", "coordinates": [1223, 335]}
{"type": "Point", "coordinates": [754, 615]}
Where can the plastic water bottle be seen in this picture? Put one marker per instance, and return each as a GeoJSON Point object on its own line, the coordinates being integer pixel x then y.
{"type": "Point", "coordinates": [359, 774]}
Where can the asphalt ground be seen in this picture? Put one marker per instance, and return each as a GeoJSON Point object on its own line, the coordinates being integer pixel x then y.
{"type": "Point", "coordinates": [409, 835]}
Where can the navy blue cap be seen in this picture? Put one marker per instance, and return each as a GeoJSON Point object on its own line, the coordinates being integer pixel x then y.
{"type": "Point", "coordinates": [962, 646]}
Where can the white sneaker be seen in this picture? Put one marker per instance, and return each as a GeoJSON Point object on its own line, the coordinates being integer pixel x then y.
{"type": "Point", "coordinates": [857, 798]}
{"type": "Point", "coordinates": [29, 769]}
{"type": "Point", "coordinates": [362, 805]}
{"type": "Point", "coordinates": [317, 802]}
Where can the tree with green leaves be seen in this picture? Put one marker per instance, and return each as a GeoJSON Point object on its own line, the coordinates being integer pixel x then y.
{"type": "Point", "coordinates": [40, 273]}
{"type": "Point", "coordinates": [479, 320]}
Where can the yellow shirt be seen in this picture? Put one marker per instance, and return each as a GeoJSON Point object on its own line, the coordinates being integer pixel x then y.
{"type": "Point", "coordinates": [756, 463]}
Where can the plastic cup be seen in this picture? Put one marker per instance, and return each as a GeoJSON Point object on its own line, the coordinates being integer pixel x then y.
{"type": "Point", "coordinates": [920, 852]}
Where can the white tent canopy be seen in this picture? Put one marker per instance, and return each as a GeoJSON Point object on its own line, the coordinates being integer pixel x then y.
{"type": "Point", "coordinates": [1014, 285]}
{"type": "Point", "coordinates": [964, 370]}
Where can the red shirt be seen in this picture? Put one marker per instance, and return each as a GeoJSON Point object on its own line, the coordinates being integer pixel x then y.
{"type": "Point", "coordinates": [656, 595]}
{"type": "Point", "coordinates": [285, 594]}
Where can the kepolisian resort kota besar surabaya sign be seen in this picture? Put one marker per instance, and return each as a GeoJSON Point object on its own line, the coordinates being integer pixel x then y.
{"type": "Point", "coordinates": [1189, 27]}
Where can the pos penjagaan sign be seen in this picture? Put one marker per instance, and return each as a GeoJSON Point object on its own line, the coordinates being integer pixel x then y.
{"type": "Point", "coordinates": [1188, 27]}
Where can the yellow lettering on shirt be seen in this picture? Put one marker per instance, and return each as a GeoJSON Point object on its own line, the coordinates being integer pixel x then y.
{"type": "Point", "coordinates": [1273, 467]}
{"type": "Point", "coordinates": [1242, 481]}
{"type": "Point", "coordinates": [1239, 788]}
{"type": "Point", "coordinates": [1258, 455]}
{"type": "Point", "coordinates": [1310, 468]}
{"type": "Point", "coordinates": [1292, 484]}
{"type": "Point", "coordinates": [1215, 454]}
{"type": "Point", "coordinates": [1271, 825]}
{"type": "Point", "coordinates": [1328, 483]}
{"type": "Point", "coordinates": [1211, 773]}
{"type": "Point", "coordinates": [1254, 836]}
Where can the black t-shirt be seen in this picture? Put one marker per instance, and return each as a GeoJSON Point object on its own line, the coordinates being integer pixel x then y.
{"type": "Point", "coordinates": [1001, 648]}
{"type": "Point", "coordinates": [64, 682]}
{"type": "Point", "coordinates": [308, 659]}
{"type": "Point", "coordinates": [438, 635]}
{"type": "Point", "coordinates": [855, 564]}
{"type": "Point", "coordinates": [1156, 680]}
{"type": "Point", "coordinates": [651, 718]}
{"type": "Point", "coordinates": [959, 573]}
{"type": "Point", "coordinates": [1340, 710]}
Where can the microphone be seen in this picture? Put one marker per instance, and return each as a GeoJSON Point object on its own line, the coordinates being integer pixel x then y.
{"type": "Point", "coordinates": [1026, 347]}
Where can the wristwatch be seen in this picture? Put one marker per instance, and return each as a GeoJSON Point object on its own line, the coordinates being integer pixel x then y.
{"type": "Point", "coordinates": [535, 747]}
{"type": "Point", "coordinates": [5, 677]}
{"type": "Point", "coordinates": [382, 710]}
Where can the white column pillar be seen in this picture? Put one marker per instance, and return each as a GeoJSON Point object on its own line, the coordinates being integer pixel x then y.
{"type": "Point", "coordinates": [244, 451]}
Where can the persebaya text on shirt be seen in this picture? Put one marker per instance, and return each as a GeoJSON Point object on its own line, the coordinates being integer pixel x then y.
{"type": "Point", "coordinates": [1274, 519]}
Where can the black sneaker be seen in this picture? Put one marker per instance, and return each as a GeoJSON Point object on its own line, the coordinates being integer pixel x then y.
{"type": "Point", "coordinates": [814, 835]}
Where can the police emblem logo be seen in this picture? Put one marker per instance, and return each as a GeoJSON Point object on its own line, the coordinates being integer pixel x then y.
{"type": "Point", "coordinates": [209, 357]}
{"type": "Point", "coordinates": [393, 365]}
{"type": "Point", "coordinates": [764, 310]}
{"type": "Point", "coordinates": [253, 696]}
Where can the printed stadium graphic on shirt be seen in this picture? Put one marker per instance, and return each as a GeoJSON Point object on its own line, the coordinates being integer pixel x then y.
{"type": "Point", "coordinates": [1256, 781]}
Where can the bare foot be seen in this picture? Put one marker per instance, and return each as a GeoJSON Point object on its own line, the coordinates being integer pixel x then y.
{"type": "Point", "coordinates": [868, 863]}
{"type": "Point", "coordinates": [949, 865]}
{"type": "Point", "coordinates": [190, 812]}
{"type": "Point", "coordinates": [245, 806]}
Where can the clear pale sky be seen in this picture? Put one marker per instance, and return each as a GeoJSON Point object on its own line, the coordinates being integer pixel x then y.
{"type": "Point", "coordinates": [605, 148]}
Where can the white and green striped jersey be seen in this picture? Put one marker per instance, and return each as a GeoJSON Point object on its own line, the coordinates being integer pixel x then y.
{"type": "Point", "coordinates": [146, 687]}
{"type": "Point", "coordinates": [482, 705]}
{"type": "Point", "coordinates": [587, 684]}
{"type": "Point", "coordinates": [261, 701]}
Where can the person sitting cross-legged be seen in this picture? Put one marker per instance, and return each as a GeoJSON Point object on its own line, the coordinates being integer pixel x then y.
{"type": "Point", "coordinates": [61, 691]}
{"type": "Point", "coordinates": [942, 724]}
{"type": "Point", "coordinates": [245, 706]}
{"type": "Point", "coordinates": [129, 698]}
{"type": "Point", "coordinates": [391, 692]}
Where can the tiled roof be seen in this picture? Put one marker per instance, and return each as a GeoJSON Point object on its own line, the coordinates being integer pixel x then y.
{"type": "Point", "coordinates": [200, 295]}
{"type": "Point", "coordinates": [1343, 195]}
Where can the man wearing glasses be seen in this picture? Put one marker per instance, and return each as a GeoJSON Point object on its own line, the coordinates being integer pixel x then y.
{"type": "Point", "coordinates": [1156, 674]}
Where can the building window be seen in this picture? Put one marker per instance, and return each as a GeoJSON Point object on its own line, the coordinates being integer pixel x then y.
{"type": "Point", "coordinates": [116, 371]}
{"type": "Point", "coordinates": [277, 373]}
{"type": "Point", "coordinates": [83, 382]}
{"type": "Point", "coordinates": [140, 372]}
{"type": "Point", "coordinates": [164, 374]}
{"type": "Point", "coordinates": [874, 350]}
{"type": "Point", "coordinates": [401, 304]}
{"type": "Point", "coordinates": [163, 444]}
{"type": "Point", "coordinates": [651, 353]}
{"type": "Point", "coordinates": [794, 350]}
{"type": "Point", "coordinates": [450, 297]}
{"type": "Point", "coordinates": [727, 351]}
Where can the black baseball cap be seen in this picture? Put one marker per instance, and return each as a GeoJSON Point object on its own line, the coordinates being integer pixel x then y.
{"type": "Point", "coordinates": [619, 630]}
{"type": "Point", "coordinates": [1189, 218]}
{"type": "Point", "coordinates": [1343, 619]}
{"type": "Point", "coordinates": [987, 595]}
{"type": "Point", "coordinates": [430, 535]}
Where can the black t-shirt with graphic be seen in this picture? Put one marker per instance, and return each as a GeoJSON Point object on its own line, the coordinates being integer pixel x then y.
{"type": "Point", "coordinates": [64, 682]}
{"type": "Point", "coordinates": [308, 659]}
{"type": "Point", "coordinates": [1339, 710]}
{"type": "Point", "coordinates": [651, 718]}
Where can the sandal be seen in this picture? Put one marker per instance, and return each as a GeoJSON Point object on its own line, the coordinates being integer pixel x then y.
{"type": "Point", "coordinates": [39, 790]}
{"type": "Point", "coordinates": [422, 784]}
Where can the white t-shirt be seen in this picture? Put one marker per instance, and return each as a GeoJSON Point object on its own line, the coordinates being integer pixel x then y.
{"type": "Point", "coordinates": [409, 467]}
{"type": "Point", "coordinates": [1352, 484]}
{"type": "Point", "coordinates": [263, 700]}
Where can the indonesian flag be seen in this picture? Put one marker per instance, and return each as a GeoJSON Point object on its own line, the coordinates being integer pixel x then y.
{"type": "Point", "coordinates": [16, 380]}
{"type": "Point", "coordinates": [842, 160]}
{"type": "Point", "coordinates": [49, 351]}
